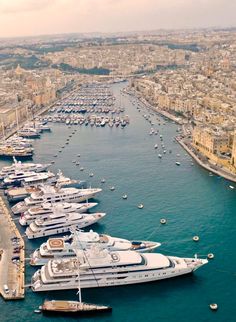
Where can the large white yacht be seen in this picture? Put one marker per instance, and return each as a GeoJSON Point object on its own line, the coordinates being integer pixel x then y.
{"type": "Point", "coordinates": [54, 194]}
{"type": "Point", "coordinates": [16, 140]}
{"type": "Point", "coordinates": [44, 210]}
{"type": "Point", "coordinates": [59, 222]}
{"type": "Point", "coordinates": [29, 132]}
{"type": "Point", "coordinates": [101, 268]}
{"type": "Point", "coordinates": [19, 166]}
{"type": "Point", "coordinates": [64, 246]}
{"type": "Point", "coordinates": [25, 178]}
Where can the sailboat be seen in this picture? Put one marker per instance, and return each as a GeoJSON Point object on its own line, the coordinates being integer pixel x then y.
{"type": "Point", "coordinates": [73, 307]}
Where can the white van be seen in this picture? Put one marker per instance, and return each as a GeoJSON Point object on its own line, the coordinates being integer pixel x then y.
{"type": "Point", "coordinates": [6, 289]}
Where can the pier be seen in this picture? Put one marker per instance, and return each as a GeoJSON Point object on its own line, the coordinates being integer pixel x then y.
{"type": "Point", "coordinates": [12, 257]}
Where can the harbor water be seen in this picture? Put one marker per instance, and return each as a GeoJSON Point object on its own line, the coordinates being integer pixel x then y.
{"type": "Point", "coordinates": [192, 202]}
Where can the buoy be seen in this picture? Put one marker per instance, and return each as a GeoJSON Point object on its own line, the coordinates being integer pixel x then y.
{"type": "Point", "coordinates": [140, 206]}
{"type": "Point", "coordinates": [124, 196]}
{"type": "Point", "coordinates": [213, 306]}
{"type": "Point", "coordinates": [78, 155]}
{"type": "Point", "coordinates": [60, 151]}
{"type": "Point", "coordinates": [196, 238]}
{"type": "Point", "coordinates": [103, 181]}
{"type": "Point", "coordinates": [91, 174]}
{"type": "Point", "coordinates": [210, 256]}
{"type": "Point", "coordinates": [112, 188]}
{"type": "Point", "coordinates": [163, 221]}
{"type": "Point", "coordinates": [81, 169]}
{"type": "Point", "coordinates": [55, 155]}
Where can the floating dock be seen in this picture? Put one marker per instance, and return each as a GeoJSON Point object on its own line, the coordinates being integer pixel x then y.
{"type": "Point", "coordinates": [12, 257]}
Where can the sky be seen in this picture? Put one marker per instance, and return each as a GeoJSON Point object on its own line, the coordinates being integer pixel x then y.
{"type": "Point", "coordinates": [39, 17]}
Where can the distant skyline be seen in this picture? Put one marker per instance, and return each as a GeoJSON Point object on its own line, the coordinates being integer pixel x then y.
{"type": "Point", "coordinates": [41, 17]}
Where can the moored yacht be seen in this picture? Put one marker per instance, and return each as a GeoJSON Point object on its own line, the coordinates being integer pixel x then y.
{"type": "Point", "coordinates": [101, 268]}
{"type": "Point", "coordinates": [19, 166]}
{"type": "Point", "coordinates": [44, 210]}
{"type": "Point", "coordinates": [29, 132]}
{"type": "Point", "coordinates": [28, 178]}
{"type": "Point", "coordinates": [54, 194]}
{"type": "Point", "coordinates": [64, 246]}
{"type": "Point", "coordinates": [59, 222]}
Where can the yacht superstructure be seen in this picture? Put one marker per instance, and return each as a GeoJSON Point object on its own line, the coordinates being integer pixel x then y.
{"type": "Point", "coordinates": [19, 166]}
{"type": "Point", "coordinates": [64, 246]}
{"type": "Point", "coordinates": [54, 194]}
{"type": "Point", "coordinates": [58, 223]}
{"type": "Point", "coordinates": [44, 210]}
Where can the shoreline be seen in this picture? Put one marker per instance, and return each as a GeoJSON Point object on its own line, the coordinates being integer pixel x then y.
{"type": "Point", "coordinates": [206, 166]}
{"type": "Point", "coordinates": [12, 274]}
{"type": "Point", "coordinates": [156, 110]}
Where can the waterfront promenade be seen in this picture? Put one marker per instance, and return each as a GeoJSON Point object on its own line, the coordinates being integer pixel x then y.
{"type": "Point", "coordinates": [11, 274]}
{"type": "Point", "coordinates": [198, 157]}
{"type": "Point", "coordinates": [203, 162]}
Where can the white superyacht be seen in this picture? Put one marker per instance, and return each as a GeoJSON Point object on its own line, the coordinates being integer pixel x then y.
{"type": "Point", "coordinates": [44, 210]}
{"type": "Point", "coordinates": [19, 166]}
{"type": "Point", "coordinates": [64, 246]}
{"type": "Point", "coordinates": [101, 268]}
{"type": "Point", "coordinates": [58, 223]}
{"type": "Point", "coordinates": [55, 194]}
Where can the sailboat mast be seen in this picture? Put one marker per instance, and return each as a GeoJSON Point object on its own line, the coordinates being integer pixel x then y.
{"type": "Point", "coordinates": [75, 237]}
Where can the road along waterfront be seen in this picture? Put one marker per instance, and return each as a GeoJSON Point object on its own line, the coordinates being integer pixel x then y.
{"type": "Point", "coordinates": [12, 272]}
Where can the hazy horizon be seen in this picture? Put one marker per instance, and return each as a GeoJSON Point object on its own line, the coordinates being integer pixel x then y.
{"type": "Point", "coordinates": [23, 18]}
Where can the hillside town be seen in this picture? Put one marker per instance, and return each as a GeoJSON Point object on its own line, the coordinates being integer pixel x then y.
{"type": "Point", "coordinates": [187, 74]}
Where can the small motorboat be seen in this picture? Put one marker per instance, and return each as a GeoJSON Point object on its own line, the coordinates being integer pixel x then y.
{"type": "Point", "coordinates": [177, 163]}
{"type": "Point", "coordinates": [140, 206]}
{"type": "Point", "coordinates": [124, 196]}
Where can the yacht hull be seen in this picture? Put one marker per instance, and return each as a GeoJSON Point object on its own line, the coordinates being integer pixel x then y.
{"type": "Point", "coordinates": [113, 280]}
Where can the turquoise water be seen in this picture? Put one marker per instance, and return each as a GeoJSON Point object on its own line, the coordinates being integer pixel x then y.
{"type": "Point", "coordinates": [192, 202]}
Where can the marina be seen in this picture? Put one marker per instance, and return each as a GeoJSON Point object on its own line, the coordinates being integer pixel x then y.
{"type": "Point", "coordinates": [164, 191]}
